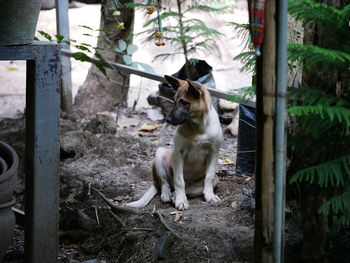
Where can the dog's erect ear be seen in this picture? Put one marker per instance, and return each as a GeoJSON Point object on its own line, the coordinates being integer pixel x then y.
{"type": "Point", "coordinates": [194, 89]}
{"type": "Point", "coordinates": [173, 81]}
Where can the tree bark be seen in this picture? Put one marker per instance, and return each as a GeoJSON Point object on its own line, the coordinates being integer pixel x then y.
{"type": "Point", "coordinates": [99, 93]}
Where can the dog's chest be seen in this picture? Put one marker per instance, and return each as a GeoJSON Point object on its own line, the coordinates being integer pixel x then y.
{"type": "Point", "coordinates": [196, 154]}
{"type": "Point", "coordinates": [197, 150]}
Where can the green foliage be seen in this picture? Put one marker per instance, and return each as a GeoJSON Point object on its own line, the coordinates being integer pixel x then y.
{"type": "Point", "coordinates": [247, 58]}
{"type": "Point", "coordinates": [242, 30]}
{"type": "Point", "coordinates": [325, 174]}
{"type": "Point", "coordinates": [100, 64]}
{"type": "Point", "coordinates": [86, 51]}
{"type": "Point", "coordinates": [334, 23]}
{"type": "Point", "coordinates": [340, 205]}
{"type": "Point", "coordinates": [242, 94]}
{"type": "Point", "coordinates": [312, 56]}
{"type": "Point", "coordinates": [126, 51]}
{"type": "Point", "coordinates": [189, 36]}
{"type": "Point", "coordinates": [322, 140]}
{"type": "Point", "coordinates": [319, 141]}
{"type": "Point", "coordinates": [322, 143]}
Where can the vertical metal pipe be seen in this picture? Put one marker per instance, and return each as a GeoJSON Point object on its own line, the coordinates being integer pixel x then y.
{"type": "Point", "coordinates": [280, 143]}
{"type": "Point", "coordinates": [62, 21]}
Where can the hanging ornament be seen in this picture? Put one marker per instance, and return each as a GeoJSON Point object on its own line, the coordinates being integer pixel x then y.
{"type": "Point", "coordinates": [256, 20]}
{"type": "Point", "coordinates": [115, 5]}
{"type": "Point", "coordinates": [159, 34]}
{"type": "Point", "coordinates": [121, 25]}
{"type": "Point", "coordinates": [150, 9]}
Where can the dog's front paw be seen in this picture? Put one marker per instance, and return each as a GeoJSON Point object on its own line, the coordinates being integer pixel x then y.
{"type": "Point", "coordinates": [212, 198]}
{"type": "Point", "coordinates": [165, 196]}
{"type": "Point", "coordinates": [181, 203]}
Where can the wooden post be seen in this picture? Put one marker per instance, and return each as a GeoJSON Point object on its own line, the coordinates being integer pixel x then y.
{"type": "Point", "coordinates": [63, 30]}
{"type": "Point", "coordinates": [264, 162]}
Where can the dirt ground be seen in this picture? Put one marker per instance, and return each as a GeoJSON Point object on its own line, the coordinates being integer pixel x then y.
{"type": "Point", "coordinates": [118, 164]}
{"type": "Point", "coordinates": [116, 160]}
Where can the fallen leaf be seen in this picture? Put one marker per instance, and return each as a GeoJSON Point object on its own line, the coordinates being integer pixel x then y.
{"type": "Point", "coordinates": [234, 205]}
{"type": "Point", "coordinates": [178, 216]}
{"type": "Point", "coordinates": [228, 161]}
{"type": "Point", "coordinates": [149, 128]}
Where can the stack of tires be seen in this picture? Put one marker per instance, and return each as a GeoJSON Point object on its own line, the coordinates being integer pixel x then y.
{"type": "Point", "coordinates": [8, 177]}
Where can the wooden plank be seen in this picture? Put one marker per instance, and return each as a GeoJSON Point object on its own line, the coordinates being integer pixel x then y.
{"type": "Point", "coordinates": [264, 158]}
{"type": "Point", "coordinates": [42, 155]}
{"type": "Point", "coordinates": [158, 77]}
{"type": "Point", "coordinates": [62, 22]}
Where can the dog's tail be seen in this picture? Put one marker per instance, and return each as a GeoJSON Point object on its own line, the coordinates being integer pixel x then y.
{"type": "Point", "coordinates": [145, 199]}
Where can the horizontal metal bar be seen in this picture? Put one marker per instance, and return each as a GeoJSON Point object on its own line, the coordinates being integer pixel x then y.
{"type": "Point", "coordinates": [124, 68]}
{"type": "Point", "coordinates": [157, 77]}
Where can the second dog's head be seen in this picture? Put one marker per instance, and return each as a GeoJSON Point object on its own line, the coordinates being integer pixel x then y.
{"type": "Point", "coordinates": [191, 101]}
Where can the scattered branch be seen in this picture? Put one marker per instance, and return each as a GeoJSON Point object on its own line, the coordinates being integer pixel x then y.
{"type": "Point", "coordinates": [120, 222]}
{"type": "Point", "coordinates": [162, 220]}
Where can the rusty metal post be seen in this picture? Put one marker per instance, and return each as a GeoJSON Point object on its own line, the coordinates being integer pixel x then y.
{"type": "Point", "coordinates": [42, 147]}
{"type": "Point", "coordinates": [42, 154]}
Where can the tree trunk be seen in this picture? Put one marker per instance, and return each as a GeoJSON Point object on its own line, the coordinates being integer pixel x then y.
{"type": "Point", "coordinates": [264, 156]}
{"type": "Point", "coordinates": [99, 93]}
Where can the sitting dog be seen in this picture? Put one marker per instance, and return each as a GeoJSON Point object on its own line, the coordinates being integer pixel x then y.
{"type": "Point", "coordinates": [190, 166]}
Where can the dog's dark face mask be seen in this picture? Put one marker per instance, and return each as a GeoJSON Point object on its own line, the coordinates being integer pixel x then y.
{"type": "Point", "coordinates": [185, 93]}
{"type": "Point", "coordinates": [180, 113]}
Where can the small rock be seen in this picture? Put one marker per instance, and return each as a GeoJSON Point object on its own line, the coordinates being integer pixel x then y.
{"type": "Point", "coordinates": [248, 192]}
{"type": "Point", "coordinates": [102, 124]}
{"type": "Point", "coordinates": [234, 205]}
{"type": "Point", "coordinates": [244, 202]}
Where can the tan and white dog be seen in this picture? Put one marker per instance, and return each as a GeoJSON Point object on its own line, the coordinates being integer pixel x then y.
{"type": "Point", "coordinates": [190, 166]}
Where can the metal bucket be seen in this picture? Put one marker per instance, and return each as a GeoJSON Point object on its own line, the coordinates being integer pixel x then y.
{"type": "Point", "coordinates": [18, 20]}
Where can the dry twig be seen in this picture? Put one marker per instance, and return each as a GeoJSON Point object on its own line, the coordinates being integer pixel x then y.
{"type": "Point", "coordinates": [96, 214]}
{"type": "Point", "coordinates": [120, 222]}
{"type": "Point", "coordinates": [162, 220]}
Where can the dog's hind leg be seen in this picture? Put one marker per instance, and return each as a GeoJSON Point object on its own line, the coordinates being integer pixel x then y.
{"type": "Point", "coordinates": [162, 172]}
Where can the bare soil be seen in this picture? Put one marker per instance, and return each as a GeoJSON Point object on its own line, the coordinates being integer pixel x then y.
{"type": "Point", "coordinates": [119, 166]}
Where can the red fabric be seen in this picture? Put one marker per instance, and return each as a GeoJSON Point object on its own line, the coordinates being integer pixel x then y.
{"type": "Point", "coordinates": [256, 19]}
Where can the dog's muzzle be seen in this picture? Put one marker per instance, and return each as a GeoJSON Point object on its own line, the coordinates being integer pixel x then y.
{"type": "Point", "coordinates": [178, 116]}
